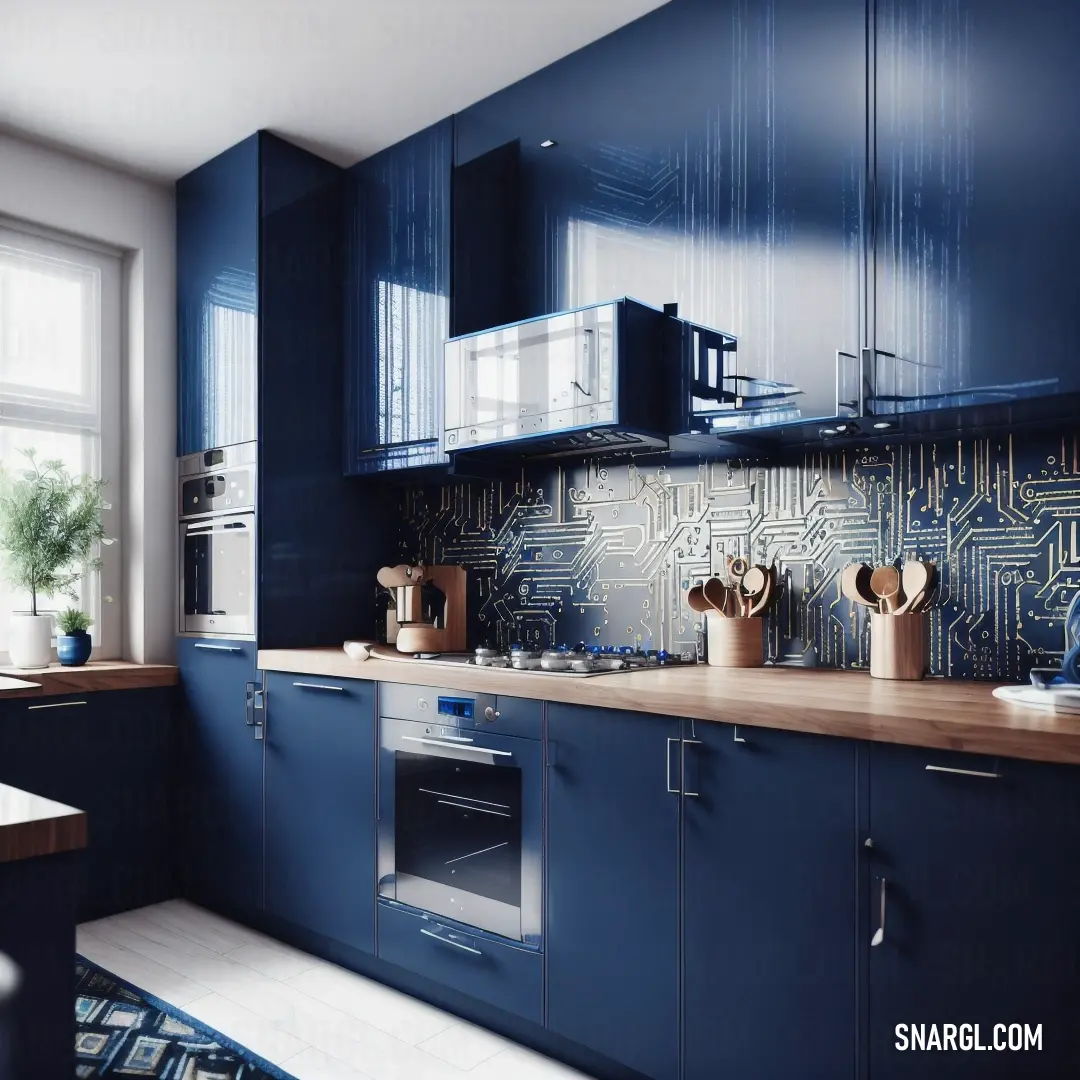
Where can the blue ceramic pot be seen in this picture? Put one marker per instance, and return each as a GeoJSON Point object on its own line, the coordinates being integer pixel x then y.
{"type": "Point", "coordinates": [73, 649]}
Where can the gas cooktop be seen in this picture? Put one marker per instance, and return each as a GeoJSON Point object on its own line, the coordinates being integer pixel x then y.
{"type": "Point", "coordinates": [576, 661]}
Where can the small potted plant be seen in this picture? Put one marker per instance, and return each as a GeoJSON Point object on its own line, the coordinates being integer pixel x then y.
{"type": "Point", "coordinates": [50, 526]}
{"type": "Point", "coordinates": [73, 643]}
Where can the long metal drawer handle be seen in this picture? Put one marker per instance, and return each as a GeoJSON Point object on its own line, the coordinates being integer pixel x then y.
{"type": "Point", "coordinates": [879, 933]}
{"type": "Point", "coordinates": [319, 686]}
{"type": "Point", "coordinates": [963, 772]}
{"type": "Point", "coordinates": [682, 761]}
{"type": "Point", "coordinates": [56, 705]}
{"type": "Point", "coordinates": [671, 790]}
{"type": "Point", "coordinates": [456, 746]}
{"type": "Point", "coordinates": [478, 809]}
{"type": "Point", "coordinates": [218, 648]}
{"type": "Point", "coordinates": [450, 941]}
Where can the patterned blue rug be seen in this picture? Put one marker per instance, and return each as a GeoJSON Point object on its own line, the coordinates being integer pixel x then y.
{"type": "Point", "coordinates": [122, 1031]}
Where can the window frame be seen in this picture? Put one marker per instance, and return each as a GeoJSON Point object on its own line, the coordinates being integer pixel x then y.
{"type": "Point", "coordinates": [108, 261]}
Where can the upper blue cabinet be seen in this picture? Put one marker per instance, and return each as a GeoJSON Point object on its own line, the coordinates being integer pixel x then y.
{"type": "Point", "coordinates": [712, 154]}
{"type": "Point", "coordinates": [975, 290]}
{"type": "Point", "coordinates": [217, 251]}
{"type": "Point", "coordinates": [397, 302]}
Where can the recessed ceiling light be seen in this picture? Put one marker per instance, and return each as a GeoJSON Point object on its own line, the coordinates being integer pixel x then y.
{"type": "Point", "coordinates": [548, 143]}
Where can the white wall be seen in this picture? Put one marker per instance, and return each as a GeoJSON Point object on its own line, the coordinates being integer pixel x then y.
{"type": "Point", "coordinates": [53, 189]}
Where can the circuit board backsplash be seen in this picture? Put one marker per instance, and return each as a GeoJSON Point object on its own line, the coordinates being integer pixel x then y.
{"type": "Point", "coordinates": [605, 551]}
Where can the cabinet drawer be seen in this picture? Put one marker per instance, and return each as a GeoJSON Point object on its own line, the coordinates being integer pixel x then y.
{"type": "Point", "coordinates": [513, 716]}
{"type": "Point", "coordinates": [501, 975]}
{"type": "Point", "coordinates": [286, 691]}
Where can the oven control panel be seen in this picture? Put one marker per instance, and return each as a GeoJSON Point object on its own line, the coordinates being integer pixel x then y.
{"type": "Point", "coordinates": [441, 707]}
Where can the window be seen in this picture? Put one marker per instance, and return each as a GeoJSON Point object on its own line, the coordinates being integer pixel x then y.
{"type": "Point", "coordinates": [60, 393]}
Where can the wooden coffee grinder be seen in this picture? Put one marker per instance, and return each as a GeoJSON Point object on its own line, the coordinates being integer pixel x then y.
{"type": "Point", "coordinates": [428, 613]}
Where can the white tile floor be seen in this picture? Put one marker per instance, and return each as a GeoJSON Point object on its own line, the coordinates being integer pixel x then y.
{"type": "Point", "coordinates": [313, 1019]}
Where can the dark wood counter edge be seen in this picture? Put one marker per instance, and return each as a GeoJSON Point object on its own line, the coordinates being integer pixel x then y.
{"type": "Point", "coordinates": [944, 714]}
{"type": "Point", "coordinates": [96, 675]}
{"type": "Point", "coordinates": [49, 828]}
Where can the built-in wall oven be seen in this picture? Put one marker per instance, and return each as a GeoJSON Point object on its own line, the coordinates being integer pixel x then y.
{"type": "Point", "coordinates": [217, 541]}
{"type": "Point", "coordinates": [461, 808]}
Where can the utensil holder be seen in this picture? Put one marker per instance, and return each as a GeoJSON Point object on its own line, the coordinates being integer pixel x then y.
{"type": "Point", "coordinates": [735, 642]}
{"type": "Point", "coordinates": [898, 646]}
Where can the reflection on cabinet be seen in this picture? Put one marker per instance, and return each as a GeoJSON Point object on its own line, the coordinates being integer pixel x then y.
{"type": "Point", "coordinates": [980, 881]}
{"type": "Point", "coordinates": [222, 779]}
{"type": "Point", "coordinates": [320, 805]}
{"type": "Point", "coordinates": [978, 214]}
{"type": "Point", "coordinates": [217, 251]}
{"type": "Point", "coordinates": [613, 885]}
{"type": "Point", "coordinates": [397, 302]}
{"type": "Point", "coordinates": [769, 873]}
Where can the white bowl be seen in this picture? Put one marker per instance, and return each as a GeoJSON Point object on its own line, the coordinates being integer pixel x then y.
{"type": "Point", "coordinates": [358, 650]}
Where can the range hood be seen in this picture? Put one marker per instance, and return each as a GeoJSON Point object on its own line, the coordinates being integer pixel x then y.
{"type": "Point", "coordinates": [613, 378]}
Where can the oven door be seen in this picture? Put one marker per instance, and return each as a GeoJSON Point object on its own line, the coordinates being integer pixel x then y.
{"type": "Point", "coordinates": [460, 825]}
{"type": "Point", "coordinates": [217, 575]}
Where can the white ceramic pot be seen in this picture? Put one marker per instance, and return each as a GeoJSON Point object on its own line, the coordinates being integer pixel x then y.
{"type": "Point", "coordinates": [30, 640]}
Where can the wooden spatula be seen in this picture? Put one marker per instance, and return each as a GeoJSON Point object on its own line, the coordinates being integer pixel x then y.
{"type": "Point", "coordinates": [885, 582]}
{"type": "Point", "coordinates": [716, 593]}
{"type": "Point", "coordinates": [754, 584]}
{"type": "Point", "coordinates": [765, 597]}
{"type": "Point", "coordinates": [855, 585]}
{"type": "Point", "coordinates": [915, 580]}
{"type": "Point", "coordinates": [696, 599]}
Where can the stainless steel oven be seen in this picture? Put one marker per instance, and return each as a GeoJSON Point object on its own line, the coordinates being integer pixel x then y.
{"type": "Point", "coordinates": [216, 502]}
{"type": "Point", "coordinates": [460, 808]}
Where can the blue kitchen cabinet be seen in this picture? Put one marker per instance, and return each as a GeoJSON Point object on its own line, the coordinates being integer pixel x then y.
{"type": "Point", "coordinates": [973, 281]}
{"type": "Point", "coordinates": [221, 776]}
{"type": "Point", "coordinates": [217, 248]}
{"type": "Point", "coordinates": [612, 936]}
{"type": "Point", "coordinates": [112, 755]}
{"type": "Point", "coordinates": [397, 302]}
{"type": "Point", "coordinates": [973, 874]}
{"type": "Point", "coordinates": [769, 877]}
{"type": "Point", "coordinates": [320, 805]}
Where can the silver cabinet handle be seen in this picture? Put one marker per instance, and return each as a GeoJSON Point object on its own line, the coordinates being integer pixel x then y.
{"type": "Point", "coordinates": [738, 737]}
{"type": "Point", "coordinates": [879, 933]}
{"type": "Point", "coordinates": [963, 772]}
{"type": "Point", "coordinates": [218, 648]}
{"type": "Point", "coordinates": [451, 941]}
{"type": "Point", "coordinates": [671, 790]}
{"type": "Point", "coordinates": [56, 705]}
{"type": "Point", "coordinates": [319, 686]}
{"type": "Point", "coordinates": [682, 762]}
{"type": "Point", "coordinates": [456, 746]}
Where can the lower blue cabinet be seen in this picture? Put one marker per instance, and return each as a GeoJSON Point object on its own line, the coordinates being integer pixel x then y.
{"type": "Point", "coordinates": [769, 878]}
{"type": "Point", "coordinates": [221, 777]}
{"type": "Point", "coordinates": [320, 805]}
{"type": "Point", "coordinates": [612, 935]}
{"type": "Point", "coordinates": [973, 879]}
{"type": "Point", "coordinates": [491, 971]}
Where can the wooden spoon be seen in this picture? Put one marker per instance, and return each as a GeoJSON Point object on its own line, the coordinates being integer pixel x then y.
{"type": "Point", "coordinates": [696, 599]}
{"type": "Point", "coordinates": [393, 577]}
{"type": "Point", "coordinates": [855, 585]}
{"type": "Point", "coordinates": [768, 589]}
{"type": "Point", "coordinates": [716, 593]}
{"type": "Point", "coordinates": [915, 579]}
{"type": "Point", "coordinates": [754, 585]}
{"type": "Point", "coordinates": [736, 568]}
{"type": "Point", "coordinates": [885, 581]}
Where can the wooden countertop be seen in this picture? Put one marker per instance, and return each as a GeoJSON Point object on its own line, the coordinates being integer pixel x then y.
{"type": "Point", "coordinates": [95, 675]}
{"type": "Point", "coordinates": [31, 826]}
{"type": "Point", "coordinates": [947, 714]}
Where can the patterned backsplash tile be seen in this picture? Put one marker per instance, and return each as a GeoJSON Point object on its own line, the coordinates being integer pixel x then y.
{"type": "Point", "coordinates": [604, 552]}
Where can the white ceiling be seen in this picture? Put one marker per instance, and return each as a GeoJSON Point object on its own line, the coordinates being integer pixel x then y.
{"type": "Point", "coordinates": [159, 86]}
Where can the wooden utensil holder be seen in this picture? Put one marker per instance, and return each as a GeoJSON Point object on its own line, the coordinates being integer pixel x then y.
{"type": "Point", "coordinates": [898, 646]}
{"type": "Point", "coordinates": [735, 642]}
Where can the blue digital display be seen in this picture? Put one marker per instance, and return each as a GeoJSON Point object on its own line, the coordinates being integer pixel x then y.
{"type": "Point", "coordinates": [459, 707]}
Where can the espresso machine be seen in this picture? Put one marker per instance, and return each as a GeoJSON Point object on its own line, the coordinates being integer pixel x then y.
{"type": "Point", "coordinates": [427, 610]}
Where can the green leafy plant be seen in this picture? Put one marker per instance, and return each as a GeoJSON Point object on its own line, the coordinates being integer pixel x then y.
{"type": "Point", "coordinates": [50, 524]}
{"type": "Point", "coordinates": [73, 621]}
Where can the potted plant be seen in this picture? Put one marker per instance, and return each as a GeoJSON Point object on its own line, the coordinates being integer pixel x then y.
{"type": "Point", "coordinates": [73, 643]}
{"type": "Point", "coordinates": [50, 526]}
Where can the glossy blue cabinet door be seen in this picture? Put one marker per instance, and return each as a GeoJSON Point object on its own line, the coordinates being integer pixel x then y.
{"type": "Point", "coordinates": [397, 300]}
{"type": "Point", "coordinates": [981, 882]}
{"type": "Point", "coordinates": [217, 237]}
{"type": "Point", "coordinates": [320, 805]}
{"type": "Point", "coordinates": [612, 937]}
{"type": "Point", "coordinates": [222, 777]}
{"type": "Point", "coordinates": [978, 213]}
{"type": "Point", "coordinates": [769, 873]}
